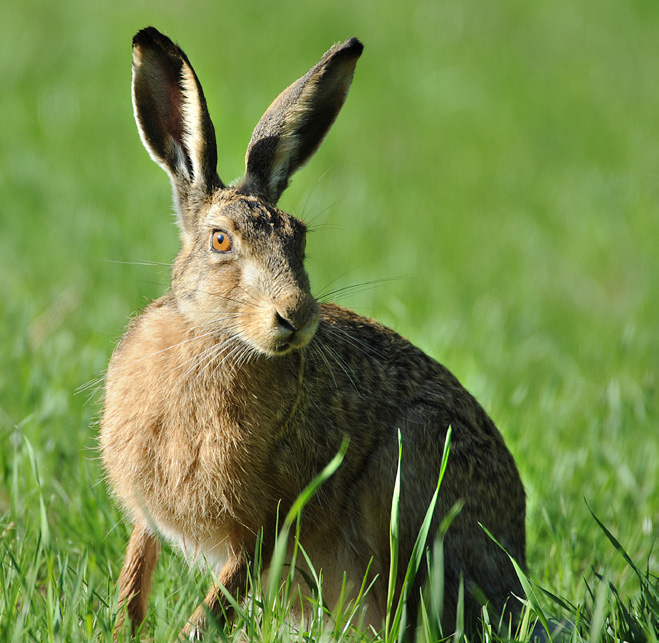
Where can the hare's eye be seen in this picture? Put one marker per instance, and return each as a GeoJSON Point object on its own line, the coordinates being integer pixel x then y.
{"type": "Point", "coordinates": [220, 241]}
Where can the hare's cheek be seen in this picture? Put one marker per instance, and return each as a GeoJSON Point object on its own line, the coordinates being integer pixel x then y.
{"type": "Point", "coordinates": [254, 328]}
{"type": "Point", "coordinates": [254, 281]}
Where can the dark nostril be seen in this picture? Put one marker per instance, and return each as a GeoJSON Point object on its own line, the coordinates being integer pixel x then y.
{"type": "Point", "coordinates": [285, 323]}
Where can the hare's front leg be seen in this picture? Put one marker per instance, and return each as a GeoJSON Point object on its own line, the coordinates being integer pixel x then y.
{"type": "Point", "coordinates": [233, 577]}
{"type": "Point", "coordinates": [135, 578]}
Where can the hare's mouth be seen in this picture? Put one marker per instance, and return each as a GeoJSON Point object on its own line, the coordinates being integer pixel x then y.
{"type": "Point", "coordinates": [282, 348]}
{"type": "Point", "coordinates": [280, 335]}
{"type": "Point", "coordinates": [287, 335]}
{"type": "Point", "coordinates": [295, 341]}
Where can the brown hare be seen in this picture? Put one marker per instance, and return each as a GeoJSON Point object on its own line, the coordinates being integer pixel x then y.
{"type": "Point", "coordinates": [230, 393]}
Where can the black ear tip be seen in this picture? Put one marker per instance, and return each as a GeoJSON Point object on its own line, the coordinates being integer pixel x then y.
{"type": "Point", "coordinates": [150, 37]}
{"type": "Point", "coordinates": [354, 45]}
{"type": "Point", "coordinates": [351, 49]}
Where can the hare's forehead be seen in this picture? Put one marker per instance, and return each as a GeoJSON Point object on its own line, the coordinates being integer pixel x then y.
{"type": "Point", "coordinates": [250, 216]}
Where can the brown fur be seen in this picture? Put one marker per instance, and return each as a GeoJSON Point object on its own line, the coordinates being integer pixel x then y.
{"type": "Point", "coordinates": [227, 395]}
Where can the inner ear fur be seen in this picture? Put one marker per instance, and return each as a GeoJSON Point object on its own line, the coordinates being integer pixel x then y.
{"type": "Point", "coordinates": [297, 121]}
{"type": "Point", "coordinates": [171, 114]}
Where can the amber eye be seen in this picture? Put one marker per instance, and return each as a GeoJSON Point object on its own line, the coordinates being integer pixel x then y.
{"type": "Point", "coordinates": [220, 241]}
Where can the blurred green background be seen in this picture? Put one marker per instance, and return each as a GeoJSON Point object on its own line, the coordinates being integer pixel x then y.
{"type": "Point", "coordinates": [496, 163]}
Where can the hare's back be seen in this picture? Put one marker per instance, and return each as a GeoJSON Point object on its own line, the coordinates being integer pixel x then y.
{"type": "Point", "coordinates": [363, 370]}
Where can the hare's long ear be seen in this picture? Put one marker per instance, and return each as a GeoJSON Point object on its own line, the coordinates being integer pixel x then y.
{"type": "Point", "coordinates": [172, 117]}
{"type": "Point", "coordinates": [297, 121]}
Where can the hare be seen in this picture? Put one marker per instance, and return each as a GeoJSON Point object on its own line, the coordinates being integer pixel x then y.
{"type": "Point", "coordinates": [231, 392]}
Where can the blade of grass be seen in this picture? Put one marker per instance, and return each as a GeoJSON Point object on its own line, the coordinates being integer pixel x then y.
{"type": "Point", "coordinates": [460, 613]}
{"type": "Point", "coordinates": [279, 553]}
{"type": "Point", "coordinates": [45, 529]}
{"type": "Point", "coordinates": [621, 550]}
{"type": "Point", "coordinates": [599, 613]}
{"type": "Point", "coordinates": [527, 586]}
{"type": "Point", "coordinates": [422, 537]}
{"type": "Point", "coordinates": [393, 545]}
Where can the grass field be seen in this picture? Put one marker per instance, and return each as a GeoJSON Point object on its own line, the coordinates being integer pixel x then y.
{"type": "Point", "coordinates": [496, 163]}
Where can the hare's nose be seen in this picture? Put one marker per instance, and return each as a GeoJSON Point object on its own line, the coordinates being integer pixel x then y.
{"type": "Point", "coordinates": [285, 323]}
{"type": "Point", "coordinates": [297, 313]}
{"type": "Point", "coordinates": [296, 327]}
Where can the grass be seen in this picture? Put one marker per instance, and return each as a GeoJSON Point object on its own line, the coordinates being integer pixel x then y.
{"type": "Point", "coordinates": [496, 164]}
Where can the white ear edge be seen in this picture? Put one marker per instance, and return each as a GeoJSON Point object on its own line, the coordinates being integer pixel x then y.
{"type": "Point", "coordinates": [192, 138]}
{"type": "Point", "coordinates": [193, 123]}
{"type": "Point", "coordinates": [288, 142]}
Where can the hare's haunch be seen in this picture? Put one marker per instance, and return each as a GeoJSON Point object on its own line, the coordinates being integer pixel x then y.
{"type": "Point", "coordinates": [228, 394]}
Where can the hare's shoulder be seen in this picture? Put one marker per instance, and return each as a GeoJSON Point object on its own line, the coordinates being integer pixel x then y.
{"type": "Point", "coordinates": [368, 340]}
{"type": "Point", "coordinates": [343, 323]}
{"type": "Point", "coordinates": [391, 367]}
{"type": "Point", "coordinates": [159, 323]}
{"type": "Point", "coordinates": [156, 355]}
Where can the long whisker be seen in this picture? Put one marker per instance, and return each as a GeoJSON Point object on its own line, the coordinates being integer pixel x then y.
{"type": "Point", "coordinates": [321, 212]}
{"type": "Point", "coordinates": [355, 288]}
{"type": "Point", "coordinates": [171, 347]}
{"type": "Point", "coordinates": [316, 349]}
{"type": "Point", "coordinates": [135, 263]}
{"type": "Point", "coordinates": [311, 192]}
{"type": "Point", "coordinates": [363, 347]}
{"type": "Point", "coordinates": [201, 357]}
{"type": "Point", "coordinates": [235, 350]}
{"type": "Point", "coordinates": [343, 274]}
{"type": "Point", "coordinates": [218, 295]}
{"type": "Point", "coordinates": [340, 363]}
{"type": "Point", "coordinates": [210, 362]}
{"type": "Point", "coordinates": [251, 296]}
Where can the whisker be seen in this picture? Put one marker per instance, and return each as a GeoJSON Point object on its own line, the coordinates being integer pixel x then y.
{"type": "Point", "coordinates": [135, 263]}
{"type": "Point", "coordinates": [351, 339]}
{"type": "Point", "coordinates": [169, 348]}
{"type": "Point", "coordinates": [200, 358]}
{"type": "Point", "coordinates": [312, 190]}
{"type": "Point", "coordinates": [361, 287]}
{"type": "Point", "coordinates": [341, 364]}
{"type": "Point", "coordinates": [324, 210]}
{"type": "Point", "coordinates": [317, 348]}
{"type": "Point", "coordinates": [251, 296]}
{"type": "Point", "coordinates": [211, 293]}
{"type": "Point", "coordinates": [343, 274]}
{"type": "Point", "coordinates": [210, 362]}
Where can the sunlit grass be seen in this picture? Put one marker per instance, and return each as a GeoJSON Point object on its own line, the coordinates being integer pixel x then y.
{"type": "Point", "coordinates": [64, 593]}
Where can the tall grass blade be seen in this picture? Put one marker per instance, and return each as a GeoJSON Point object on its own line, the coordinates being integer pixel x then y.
{"type": "Point", "coordinates": [278, 559]}
{"type": "Point", "coordinates": [398, 624]}
{"type": "Point", "coordinates": [43, 516]}
{"type": "Point", "coordinates": [393, 545]}
{"type": "Point", "coordinates": [560, 601]}
{"type": "Point", "coordinates": [460, 613]}
{"type": "Point", "coordinates": [645, 583]}
{"type": "Point", "coordinates": [527, 586]}
{"type": "Point", "coordinates": [599, 613]}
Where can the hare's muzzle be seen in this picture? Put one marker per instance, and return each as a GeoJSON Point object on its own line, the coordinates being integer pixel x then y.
{"type": "Point", "coordinates": [294, 327]}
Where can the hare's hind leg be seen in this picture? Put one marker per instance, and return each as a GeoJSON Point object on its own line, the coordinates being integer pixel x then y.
{"type": "Point", "coordinates": [482, 479]}
{"type": "Point", "coordinates": [233, 577]}
{"type": "Point", "coordinates": [135, 578]}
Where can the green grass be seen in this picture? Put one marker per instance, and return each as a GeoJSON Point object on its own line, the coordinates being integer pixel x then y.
{"type": "Point", "coordinates": [497, 162]}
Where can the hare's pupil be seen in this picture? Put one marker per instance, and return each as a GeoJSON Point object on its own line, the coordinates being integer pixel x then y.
{"type": "Point", "coordinates": [220, 238]}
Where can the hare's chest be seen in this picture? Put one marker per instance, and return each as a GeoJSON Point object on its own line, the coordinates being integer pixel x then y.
{"type": "Point", "coordinates": [199, 477]}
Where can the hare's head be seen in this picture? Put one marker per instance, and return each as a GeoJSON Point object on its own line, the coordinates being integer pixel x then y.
{"type": "Point", "coordinates": [240, 272]}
